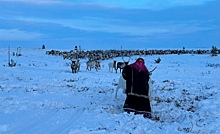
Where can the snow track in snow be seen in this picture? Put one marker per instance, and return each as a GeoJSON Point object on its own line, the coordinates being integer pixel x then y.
{"type": "Point", "coordinates": [56, 121]}
{"type": "Point", "coordinates": [38, 123]}
{"type": "Point", "coordinates": [65, 128]}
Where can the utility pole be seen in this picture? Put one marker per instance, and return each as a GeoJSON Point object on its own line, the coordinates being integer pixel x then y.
{"type": "Point", "coordinates": [9, 56]}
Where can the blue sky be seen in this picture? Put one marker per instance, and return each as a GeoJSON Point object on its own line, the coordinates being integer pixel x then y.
{"type": "Point", "coordinates": [110, 24]}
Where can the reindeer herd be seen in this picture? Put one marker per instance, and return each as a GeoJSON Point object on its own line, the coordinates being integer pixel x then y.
{"type": "Point", "coordinates": [96, 56]}
{"type": "Point", "coordinates": [75, 65]}
{"type": "Point", "coordinates": [94, 59]}
{"type": "Point", "coordinates": [90, 64]}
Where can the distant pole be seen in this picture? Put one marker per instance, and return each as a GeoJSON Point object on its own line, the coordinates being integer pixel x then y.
{"type": "Point", "coordinates": [121, 50]}
{"type": "Point", "coordinates": [9, 55]}
{"type": "Point", "coordinates": [80, 49]}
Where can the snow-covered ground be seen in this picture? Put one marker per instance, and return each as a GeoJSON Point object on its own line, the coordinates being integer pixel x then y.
{"type": "Point", "coordinates": [40, 95]}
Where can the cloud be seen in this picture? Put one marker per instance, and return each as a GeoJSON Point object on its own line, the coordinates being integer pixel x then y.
{"type": "Point", "coordinates": [163, 4]}
{"type": "Point", "coordinates": [94, 20]}
{"type": "Point", "coordinates": [61, 3]}
{"type": "Point", "coordinates": [15, 34]}
{"type": "Point", "coordinates": [128, 4]}
{"type": "Point", "coordinates": [149, 4]}
{"type": "Point", "coordinates": [136, 29]}
{"type": "Point", "coordinates": [44, 2]}
{"type": "Point", "coordinates": [119, 26]}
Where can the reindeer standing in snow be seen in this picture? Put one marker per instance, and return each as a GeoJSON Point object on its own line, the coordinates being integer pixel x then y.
{"type": "Point", "coordinates": [75, 66]}
{"type": "Point", "coordinates": [112, 65]}
{"type": "Point", "coordinates": [121, 65]}
{"type": "Point", "coordinates": [121, 84]}
{"type": "Point", "coordinates": [93, 64]}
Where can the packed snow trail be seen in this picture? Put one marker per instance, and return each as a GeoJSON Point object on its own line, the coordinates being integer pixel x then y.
{"type": "Point", "coordinates": [65, 128]}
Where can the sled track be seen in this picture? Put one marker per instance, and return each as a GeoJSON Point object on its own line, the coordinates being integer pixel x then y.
{"type": "Point", "coordinates": [47, 120]}
{"type": "Point", "coordinates": [65, 128]}
{"type": "Point", "coordinates": [51, 120]}
{"type": "Point", "coordinates": [55, 121]}
{"type": "Point", "coordinates": [38, 123]}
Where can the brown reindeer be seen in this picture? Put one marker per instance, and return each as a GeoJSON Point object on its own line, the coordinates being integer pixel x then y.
{"type": "Point", "coordinates": [121, 65]}
{"type": "Point", "coordinates": [75, 66]}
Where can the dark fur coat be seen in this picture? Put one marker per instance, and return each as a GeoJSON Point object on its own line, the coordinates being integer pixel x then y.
{"type": "Point", "coordinates": [137, 89]}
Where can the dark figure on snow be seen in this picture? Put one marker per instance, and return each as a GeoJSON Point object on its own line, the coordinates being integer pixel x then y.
{"type": "Point", "coordinates": [137, 88]}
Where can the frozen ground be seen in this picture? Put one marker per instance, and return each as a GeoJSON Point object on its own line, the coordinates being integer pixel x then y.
{"type": "Point", "coordinates": [41, 95]}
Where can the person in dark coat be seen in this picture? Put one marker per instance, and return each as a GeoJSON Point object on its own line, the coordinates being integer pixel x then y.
{"type": "Point", "coordinates": [137, 88]}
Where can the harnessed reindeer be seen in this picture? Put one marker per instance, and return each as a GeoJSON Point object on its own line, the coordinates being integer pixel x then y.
{"type": "Point", "coordinates": [121, 65]}
{"type": "Point", "coordinates": [92, 64]}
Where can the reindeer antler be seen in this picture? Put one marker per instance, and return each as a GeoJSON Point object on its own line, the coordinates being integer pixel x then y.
{"type": "Point", "coordinates": [124, 59]}
{"type": "Point", "coordinates": [129, 58]}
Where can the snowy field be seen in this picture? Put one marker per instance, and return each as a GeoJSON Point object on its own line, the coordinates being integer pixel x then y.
{"type": "Point", "coordinates": [40, 95]}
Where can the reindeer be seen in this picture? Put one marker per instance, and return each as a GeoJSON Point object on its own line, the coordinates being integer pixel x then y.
{"type": "Point", "coordinates": [92, 64]}
{"type": "Point", "coordinates": [122, 84]}
{"type": "Point", "coordinates": [121, 65]}
{"type": "Point", "coordinates": [112, 65]}
{"type": "Point", "coordinates": [97, 65]}
{"type": "Point", "coordinates": [74, 66]}
{"type": "Point", "coordinates": [78, 65]}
